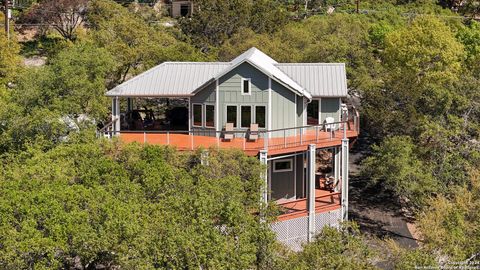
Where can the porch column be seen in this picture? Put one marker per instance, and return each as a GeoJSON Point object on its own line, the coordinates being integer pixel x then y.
{"type": "Point", "coordinates": [344, 179]}
{"type": "Point", "coordinates": [129, 104]}
{"type": "Point", "coordinates": [336, 166]}
{"type": "Point", "coordinates": [311, 191]}
{"type": "Point", "coordinates": [116, 115]}
{"type": "Point", "coordinates": [264, 175]}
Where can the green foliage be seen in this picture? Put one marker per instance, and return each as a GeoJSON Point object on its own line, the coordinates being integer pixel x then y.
{"type": "Point", "coordinates": [128, 206]}
{"type": "Point", "coordinates": [214, 21]}
{"type": "Point", "coordinates": [395, 167]}
{"type": "Point", "coordinates": [136, 45]}
{"type": "Point", "coordinates": [333, 249]}
{"type": "Point", "coordinates": [9, 60]}
{"type": "Point", "coordinates": [450, 226]}
{"type": "Point", "coordinates": [410, 258]}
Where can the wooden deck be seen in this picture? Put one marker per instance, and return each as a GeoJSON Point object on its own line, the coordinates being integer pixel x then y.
{"type": "Point", "coordinates": [275, 146]}
{"type": "Point", "coordinates": [324, 201]}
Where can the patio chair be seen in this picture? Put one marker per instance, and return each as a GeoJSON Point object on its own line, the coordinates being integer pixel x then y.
{"type": "Point", "coordinates": [253, 132]}
{"type": "Point", "coordinates": [228, 135]}
{"type": "Point", "coordinates": [329, 124]}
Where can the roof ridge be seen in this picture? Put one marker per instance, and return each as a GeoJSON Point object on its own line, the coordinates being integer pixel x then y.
{"type": "Point", "coordinates": [310, 64]}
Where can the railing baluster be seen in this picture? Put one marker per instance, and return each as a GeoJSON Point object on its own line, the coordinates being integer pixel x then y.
{"type": "Point", "coordinates": [285, 138]}
{"type": "Point", "coordinates": [144, 137]}
{"type": "Point", "coordinates": [316, 134]}
{"type": "Point", "coordinates": [168, 138]}
{"type": "Point", "coordinates": [301, 136]}
{"type": "Point", "coordinates": [191, 141]}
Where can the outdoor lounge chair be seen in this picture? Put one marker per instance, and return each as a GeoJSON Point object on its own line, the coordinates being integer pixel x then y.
{"type": "Point", "coordinates": [228, 135]}
{"type": "Point", "coordinates": [253, 132]}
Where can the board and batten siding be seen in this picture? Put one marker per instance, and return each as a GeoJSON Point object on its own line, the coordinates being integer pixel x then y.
{"type": "Point", "coordinates": [204, 96]}
{"type": "Point", "coordinates": [330, 107]}
{"type": "Point", "coordinates": [229, 91]}
{"type": "Point", "coordinates": [287, 111]}
{"type": "Point", "coordinates": [287, 107]}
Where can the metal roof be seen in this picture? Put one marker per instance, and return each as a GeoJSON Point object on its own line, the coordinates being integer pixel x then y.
{"type": "Point", "coordinates": [175, 79]}
{"type": "Point", "coordinates": [320, 79]}
{"type": "Point", "coordinates": [170, 79]}
{"type": "Point", "coordinates": [267, 65]}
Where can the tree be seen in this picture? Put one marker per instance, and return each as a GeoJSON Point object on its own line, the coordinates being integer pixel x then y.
{"type": "Point", "coordinates": [215, 21]}
{"type": "Point", "coordinates": [333, 248]}
{"type": "Point", "coordinates": [89, 204]}
{"type": "Point", "coordinates": [396, 168]}
{"type": "Point", "coordinates": [9, 60]}
{"type": "Point", "coordinates": [137, 45]}
{"type": "Point", "coordinates": [450, 225]}
{"type": "Point", "coordinates": [65, 16]}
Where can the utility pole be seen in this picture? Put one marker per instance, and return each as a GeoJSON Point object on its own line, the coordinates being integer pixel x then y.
{"type": "Point", "coordinates": [358, 6]}
{"type": "Point", "coordinates": [6, 10]}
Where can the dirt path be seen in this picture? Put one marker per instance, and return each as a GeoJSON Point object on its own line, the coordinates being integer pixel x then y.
{"type": "Point", "coordinates": [376, 213]}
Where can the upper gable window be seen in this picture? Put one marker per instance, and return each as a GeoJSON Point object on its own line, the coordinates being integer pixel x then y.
{"type": "Point", "coordinates": [246, 87]}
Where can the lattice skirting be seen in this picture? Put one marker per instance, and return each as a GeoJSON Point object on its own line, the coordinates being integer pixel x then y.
{"type": "Point", "coordinates": [294, 232]}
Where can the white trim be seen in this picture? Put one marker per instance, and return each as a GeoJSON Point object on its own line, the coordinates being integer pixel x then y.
{"type": "Point", "coordinates": [249, 87]}
{"type": "Point", "coordinates": [339, 110]}
{"type": "Point", "coordinates": [269, 120]}
{"type": "Point", "coordinates": [320, 111]}
{"type": "Point", "coordinates": [225, 114]}
{"type": "Point", "coordinates": [217, 111]}
{"type": "Point", "coordinates": [255, 115]}
{"type": "Point", "coordinates": [251, 115]}
{"type": "Point", "coordinates": [289, 160]}
{"type": "Point", "coordinates": [304, 111]}
{"type": "Point", "coordinates": [189, 114]}
{"type": "Point", "coordinates": [193, 114]}
{"type": "Point", "coordinates": [295, 176]}
{"type": "Point", "coordinates": [205, 114]}
{"type": "Point", "coordinates": [296, 116]}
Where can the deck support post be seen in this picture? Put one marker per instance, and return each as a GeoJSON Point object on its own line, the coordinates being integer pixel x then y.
{"type": "Point", "coordinates": [311, 191]}
{"type": "Point", "coordinates": [345, 179]}
{"type": "Point", "coordinates": [336, 167]}
{"type": "Point", "coordinates": [264, 176]}
{"type": "Point", "coordinates": [116, 116]}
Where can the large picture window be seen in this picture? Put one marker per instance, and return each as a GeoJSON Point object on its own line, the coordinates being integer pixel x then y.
{"type": "Point", "coordinates": [260, 116]}
{"type": "Point", "coordinates": [209, 116]}
{"type": "Point", "coordinates": [197, 115]}
{"type": "Point", "coordinates": [312, 112]}
{"type": "Point", "coordinates": [232, 115]}
{"type": "Point", "coordinates": [246, 89]}
{"type": "Point", "coordinates": [246, 116]}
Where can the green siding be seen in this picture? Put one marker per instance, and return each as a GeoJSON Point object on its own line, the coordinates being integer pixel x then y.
{"type": "Point", "coordinates": [206, 95]}
{"type": "Point", "coordinates": [230, 90]}
{"type": "Point", "coordinates": [284, 109]}
{"type": "Point", "coordinates": [330, 107]}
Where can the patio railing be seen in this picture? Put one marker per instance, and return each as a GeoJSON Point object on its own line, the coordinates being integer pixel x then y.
{"type": "Point", "coordinates": [277, 139]}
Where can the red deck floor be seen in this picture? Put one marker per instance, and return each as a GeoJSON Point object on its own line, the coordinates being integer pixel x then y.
{"type": "Point", "coordinates": [324, 201]}
{"type": "Point", "coordinates": [275, 146]}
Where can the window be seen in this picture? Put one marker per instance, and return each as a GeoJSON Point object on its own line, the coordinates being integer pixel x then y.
{"type": "Point", "coordinates": [209, 116]}
{"type": "Point", "coordinates": [246, 87]}
{"type": "Point", "coordinates": [232, 115]}
{"type": "Point", "coordinates": [283, 165]}
{"type": "Point", "coordinates": [312, 112]}
{"type": "Point", "coordinates": [246, 116]}
{"type": "Point", "coordinates": [184, 10]}
{"type": "Point", "coordinates": [260, 116]}
{"type": "Point", "coordinates": [197, 115]}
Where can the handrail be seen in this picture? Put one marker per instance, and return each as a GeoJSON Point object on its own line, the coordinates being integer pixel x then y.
{"type": "Point", "coordinates": [234, 131]}
{"type": "Point", "coordinates": [304, 199]}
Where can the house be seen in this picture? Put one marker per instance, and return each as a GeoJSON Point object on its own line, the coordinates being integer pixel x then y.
{"type": "Point", "coordinates": [292, 116]}
{"type": "Point", "coordinates": [180, 8]}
